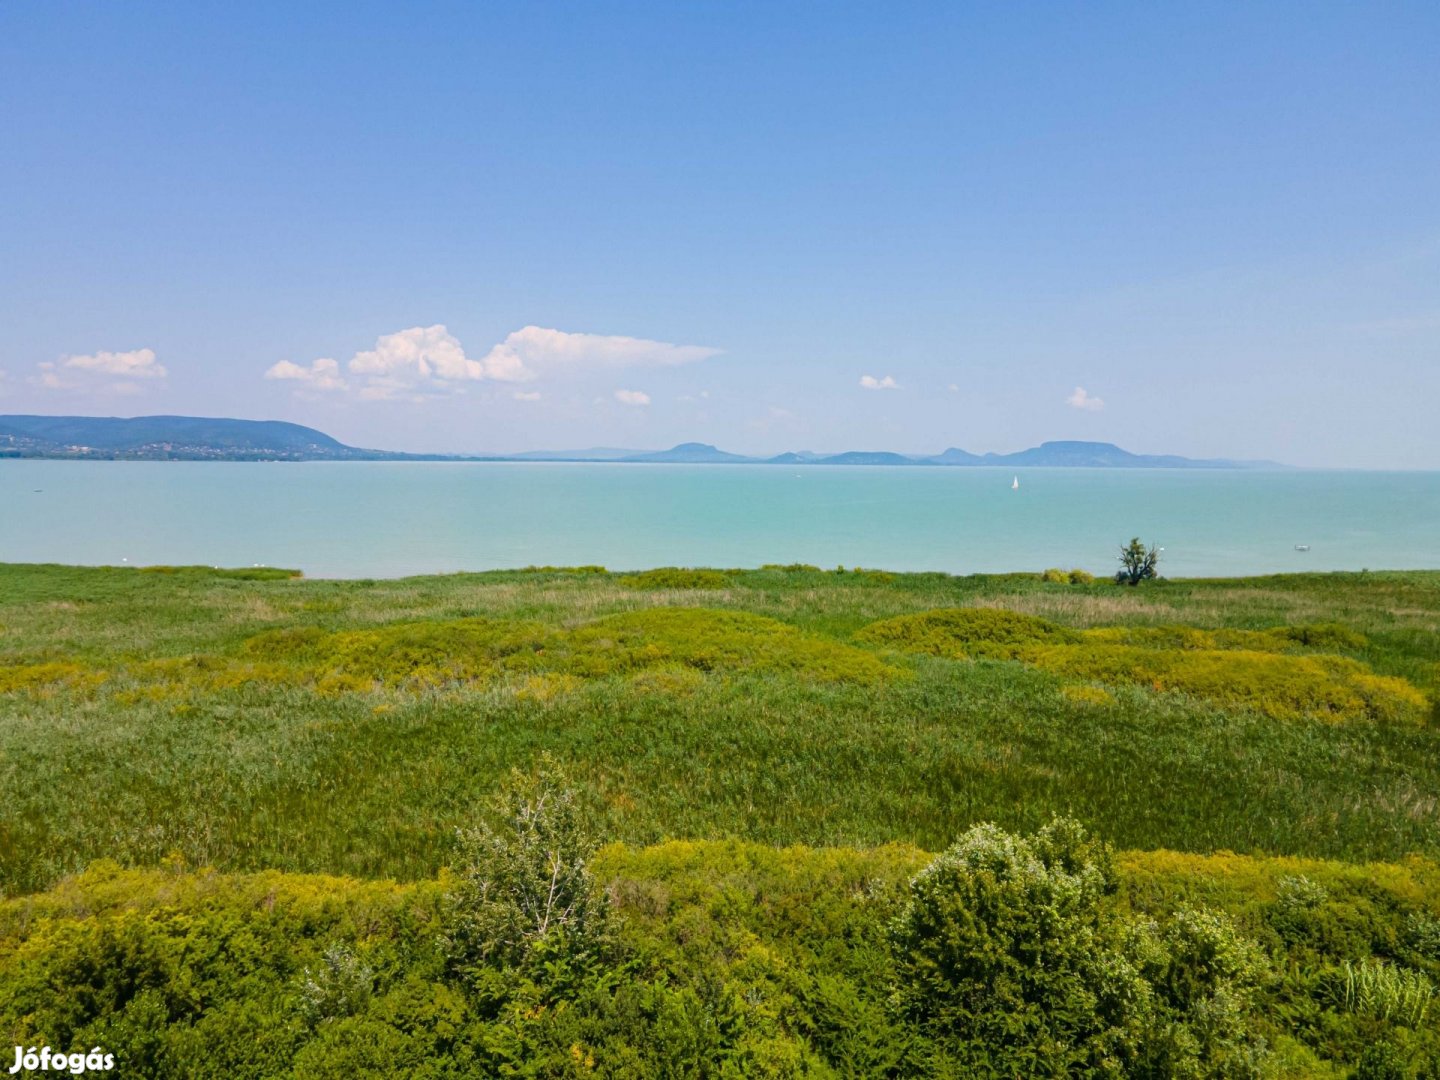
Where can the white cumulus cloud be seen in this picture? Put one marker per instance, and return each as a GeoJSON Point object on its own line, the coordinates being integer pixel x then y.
{"type": "Point", "coordinates": [533, 351]}
{"type": "Point", "coordinates": [323, 374]}
{"type": "Point", "coordinates": [1080, 398]}
{"type": "Point", "coordinates": [137, 364]}
{"type": "Point", "coordinates": [632, 397]}
{"type": "Point", "coordinates": [870, 382]}
{"type": "Point", "coordinates": [426, 360]}
{"type": "Point", "coordinates": [112, 372]}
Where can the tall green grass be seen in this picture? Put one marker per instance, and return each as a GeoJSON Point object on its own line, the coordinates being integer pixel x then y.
{"type": "Point", "coordinates": [350, 726]}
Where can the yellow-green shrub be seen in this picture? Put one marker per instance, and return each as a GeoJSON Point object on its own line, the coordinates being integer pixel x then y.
{"type": "Point", "coordinates": [1251, 669]}
{"type": "Point", "coordinates": [471, 650]}
{"type": "Point", "coordinates": [961, 632]}
{"type": "Point", "coordinates": [48, 676]}
{"type": "Point", "coordinates": [1327, 636]}
{"type": "Point", "coordinates": [1275, 685]}
{"type": "Point", "coordinates": [671, 577]}
{"type": "Point", "coordinates": [712, 640]}
{"type": "Point", "coordinates": [1084, 694]}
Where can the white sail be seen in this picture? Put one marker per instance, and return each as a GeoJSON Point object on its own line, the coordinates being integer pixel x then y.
{"type": "Point", "coordinates": [1015, 484]}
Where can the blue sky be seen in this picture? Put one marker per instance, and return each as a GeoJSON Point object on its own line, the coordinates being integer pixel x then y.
{"type": "Point", "coordinates": [1200, 229]}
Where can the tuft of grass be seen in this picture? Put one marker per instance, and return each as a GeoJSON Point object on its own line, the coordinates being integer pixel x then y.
{"type": "Point", "coordinates": [1384, 991]}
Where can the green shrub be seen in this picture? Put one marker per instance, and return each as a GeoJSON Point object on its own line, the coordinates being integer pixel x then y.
{"type": "Point", "coordinates": [525, 889]}
{"type": "Point", "coordinates": [1081, 577]}
{"type": "Point", "coordinates": [1381, 1061]}
{"type": "Point", "coordinates": [672, 577]}
{"type": "Point", "coordinates": [1421, 934]}
{"type": "Point", "coordinates": [1009, 960]}
{"type": "Point", "coordinates": [1000, 955]}
{"type": "Point", "coordinates": [1055, 576]}
{"type": "Point", "coordinates": [339, 986]}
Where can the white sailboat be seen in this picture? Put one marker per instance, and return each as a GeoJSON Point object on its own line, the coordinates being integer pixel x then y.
{"type": "Point", "coordinates": [1015, 484]}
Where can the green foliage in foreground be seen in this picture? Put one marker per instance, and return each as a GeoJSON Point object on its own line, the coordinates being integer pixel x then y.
{"type": "Point", "coordinates": [727, 959]}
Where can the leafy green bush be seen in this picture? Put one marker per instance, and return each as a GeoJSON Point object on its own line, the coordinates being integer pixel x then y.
{"type": "Point", "coordinates": [1008, 959]}
{"type": "Point", "coordinates": [339, 986]}
{"type": "Point", "coordinates": [1000, 954]}
{"type": "Point", "coordinates": [1081, 577]}
{"type": "Point", "coordinates": [1055, 576]}
{"type": "Point", "coordinates": [525, 889]}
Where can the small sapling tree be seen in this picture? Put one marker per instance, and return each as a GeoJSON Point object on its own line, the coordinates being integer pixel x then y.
{"type": "Point", "coordinates": [1137, 563]}
{"type": "Point", "coordinates": [524, 896]}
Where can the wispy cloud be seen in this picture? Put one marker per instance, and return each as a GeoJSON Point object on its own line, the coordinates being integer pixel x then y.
{"type": "Point", "coordinates": [1080, 398]}
{"type": "Point", "coordinates": [870, 382]}
{"type": "Point", "coordinates": [534, 351]}
{"type": "Point", "coordinates": [429, 360]}
{"type": "Point", "coordinates": [632, 397]}
{"type": "Point", "coordinates": [526, 395]}
{"type": "Point", "coordinates": [112, 372]}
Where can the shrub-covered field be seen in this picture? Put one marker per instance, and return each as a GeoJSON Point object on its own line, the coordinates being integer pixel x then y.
{"type": "Point", "coordinates": [274, 730]}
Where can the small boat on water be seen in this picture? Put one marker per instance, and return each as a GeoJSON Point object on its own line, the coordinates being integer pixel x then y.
{"type": "Point", "coordinates": [1015, 484]}
{"type": "Point", "coordinates": [1302, 547]}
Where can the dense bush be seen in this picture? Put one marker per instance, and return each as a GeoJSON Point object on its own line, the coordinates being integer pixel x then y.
{"type": "Point", "coordinates": [724, 959]}
{"type": "Point", "coordinates": [1056, 576]}
{"type": "Point", "coordinates": [1010, 963]}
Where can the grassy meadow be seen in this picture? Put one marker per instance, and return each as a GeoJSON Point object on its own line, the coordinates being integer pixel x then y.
{"type": "Point", "coordinates": [768, 756]}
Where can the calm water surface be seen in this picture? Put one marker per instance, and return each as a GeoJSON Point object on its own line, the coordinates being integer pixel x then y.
{"type": "Point", "coordinates": [383, 519]}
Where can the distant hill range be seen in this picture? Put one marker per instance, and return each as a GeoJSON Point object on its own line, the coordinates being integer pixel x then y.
{"type": "Point", "coordinates": [172, 438]}
{"type": "Point", "coordinates": [197, 438]}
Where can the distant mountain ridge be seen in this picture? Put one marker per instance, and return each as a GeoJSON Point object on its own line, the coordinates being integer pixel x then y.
{"type": "Point", "coordinates": [1058, 454]}
{"type": "Point", "coordinates": [197, 438]}
{"type": "Point", "coordinates": [172, 438]}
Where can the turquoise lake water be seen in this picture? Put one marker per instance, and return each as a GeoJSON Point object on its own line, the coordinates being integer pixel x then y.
{"type": "Point", "coordinates": [382, 519]}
